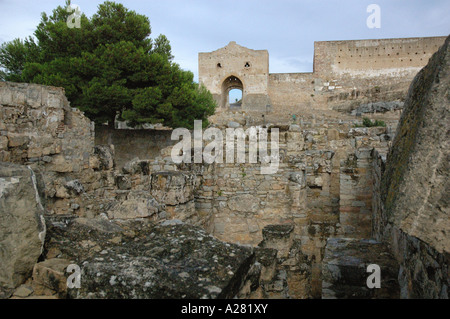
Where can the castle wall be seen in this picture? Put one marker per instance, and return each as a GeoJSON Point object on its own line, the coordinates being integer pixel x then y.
{"type": "Point", "coordinates": [346, 74]}
{"type": "Point", "coordinates": [146, 144]}
{"type": "Point", "coordinates": [291, 89]}
{"type": "Point", "coordinates": [323, 187]}
{"type": "Point", "coordinates": [251, 67]}
{"type": "Point", "coordinates": [40, 129]}
{"type": "Point", "coordinates": [374, 58]}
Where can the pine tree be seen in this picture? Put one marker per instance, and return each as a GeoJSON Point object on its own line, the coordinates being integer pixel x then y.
{"type": "Point", "coordinates": [109, 67]}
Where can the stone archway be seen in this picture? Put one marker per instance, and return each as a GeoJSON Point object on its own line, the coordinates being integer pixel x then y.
{"type": "Point", "coordinates": [230, 83]}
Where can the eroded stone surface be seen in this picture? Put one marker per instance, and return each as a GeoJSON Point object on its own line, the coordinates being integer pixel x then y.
{"type": "Point", "coordinates": [324, 187]}
{"type": "Point", "coordinates": [22, 226]}
{"type": "Point", "coordinates": [345, 270]}
{"type": "Point", "coordinates": [416, 185]}
{"type": "Point", "coordinates": [140, 259]}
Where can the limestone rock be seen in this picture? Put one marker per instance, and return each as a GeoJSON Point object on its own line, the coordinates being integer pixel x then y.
{"type": "Point", "coordinates": [345, 270]}
{"type": "Point", "coordinates": [61, 165]}
{"type": "Point", "coordinates": [416, 184]}
{"type": "Point", "coordinates": [22, 225]}
{"type": "Point", "coordinates": [233, 124]}
{"type": "Point", "coordinates": [171, 222]}
{"type": "Point", "coordinates": [122, 182]}
{"type": "Point", "coordinates": [75, 186]}
{"type": "Point", "coordinates": [139, 204]}
{"type": "Point", "coordinates": [151, 261]}
{"type": "Point", "coordinates": [3, 143]}
{"type": "Point", "coordinates": [16, 140]}
{"type": "Point", "coordinates": [279, 237]}
{"type": "Point", "coordinates": [105, 155]}
{"type": "Point", "coordinates": [173, 188]}
{"type": "Point", "coordinates": [298, 178]}
{"type": "Point", "coordinates": [50, 277]}
{"type": "Point", "coordinates": [243, 203]}
{"type": "Point", "coordinates": [137, 166]}
{"type": "Point", "coordinates": [23, 291]}
{"type": "Point", "coordinates": [378, 107]}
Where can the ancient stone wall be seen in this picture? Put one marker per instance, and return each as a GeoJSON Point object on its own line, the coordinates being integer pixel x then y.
{"type": "Point", "coordinates": [145, 143]}
{"type": "Point", "coordinates": [38, 125]}
{"type": "Point", "coordinates": [323, 187]}
{"type": "Point", "coordinates": [401, 58]}
{"type": "Point", "coordinates": [236, 67]}
{"type": "Point", "coordinates": [411, 191]}
{"type": "Point", "coordinates": [287, 90]}
{"type": "Point", "coordinates": [346, 74]}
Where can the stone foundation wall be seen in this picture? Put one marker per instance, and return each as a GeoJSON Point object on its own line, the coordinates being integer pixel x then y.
{"type": "Point", "coordinates": [424, 272]}
{"type": "Point", "coordinates": [38, 125]}
{"type": "Point", "coordinates": [145, 144]}
{"type": "Point", "coordinates": [323, 187]}
{"type": "Point", "coordinates": [40, 129]}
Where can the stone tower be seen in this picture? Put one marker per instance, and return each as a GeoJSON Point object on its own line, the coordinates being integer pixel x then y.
{"type": "Point", "coordinates": [236, 67]}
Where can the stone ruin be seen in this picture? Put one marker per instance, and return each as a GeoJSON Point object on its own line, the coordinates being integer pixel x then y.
{"type": "Point", "coordinates": [346, 74]}
{"type": "Point", "coordinates": [344, 197]}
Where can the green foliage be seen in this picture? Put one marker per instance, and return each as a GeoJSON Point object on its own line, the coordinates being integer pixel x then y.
{"type": "Point", "coordinates": [109, 66]}
{"type": "Point", "coordinates": [368, 123]}
{"type": "Point", "coordinates": [162, 46]}
{"type": "Point", "coordinates": [13, 57]}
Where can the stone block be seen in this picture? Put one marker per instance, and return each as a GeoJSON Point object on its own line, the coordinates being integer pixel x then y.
{"type": "Point", "coordinates": [61, 165]}
{"type": "Point", "coordinates": [173, 188]}
{"type": "Point", "coordinates": [50, 276]}
{"type": "Point", "coordinates": [333, 134]}
{"type": "Point", "coordinates": [22, 225]}
{"type": "Point", "coordinates": [279, 237]}
{"type": "Point", "coordinates": [3, 143]}
{"type": "Point", "coordinates": [16, 140]}
{"type": "Point", "coordinates": [243, 203]}
{"type": "Point", "coordinates": [345, 273]}
{"type": "Point", "coordinates": [139, 204]}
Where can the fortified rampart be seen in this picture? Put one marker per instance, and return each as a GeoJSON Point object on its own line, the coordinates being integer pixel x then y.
{"type": "Point", "coordinates": [344, 72]}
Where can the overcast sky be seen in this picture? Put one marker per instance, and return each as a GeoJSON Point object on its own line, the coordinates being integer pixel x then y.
{"type": "Point", "coordinates": [286, 28]}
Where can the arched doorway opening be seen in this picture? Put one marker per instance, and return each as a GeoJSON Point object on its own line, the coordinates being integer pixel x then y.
{"type": "Point", "coordinates": [232, 92]}
{"type": "Point", "coordinates": [235, 98]}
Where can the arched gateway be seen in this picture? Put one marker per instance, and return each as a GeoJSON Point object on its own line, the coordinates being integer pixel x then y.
{"type": "Point", "coordinates": [236, 67]}
{"type": "Point", "coordinates": [231, 83]}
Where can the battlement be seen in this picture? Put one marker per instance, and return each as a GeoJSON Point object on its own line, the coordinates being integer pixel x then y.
{"type": "Point", "coordinates": [371, 58]}
{"type": "Point", "coordinates": [339, 67]}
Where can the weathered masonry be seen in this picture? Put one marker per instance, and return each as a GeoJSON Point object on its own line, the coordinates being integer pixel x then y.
{"type": "Point", "coordinates": [344, 196]}
{"type": "Point", "coordinates": [346, 68]}
{"type": "Point", "coordinates": [236, 67]}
